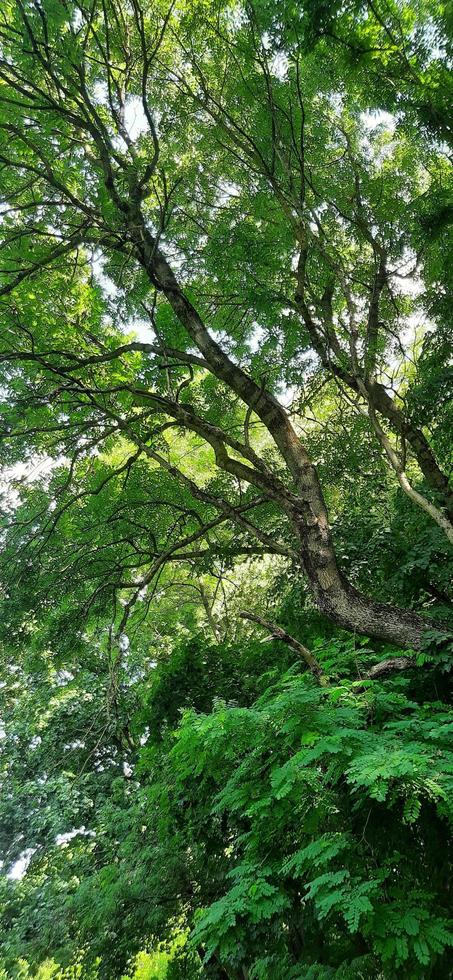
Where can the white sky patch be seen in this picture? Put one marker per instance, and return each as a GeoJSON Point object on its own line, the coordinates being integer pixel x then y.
{"type": "Point", "coordinates": [373, 118]}
{"type": "Point", "coordinates": [106, 283]}
{"type": "Point", "coordinates": [336, 101]}
{"type": "Point", "coordinates": [411, 286]}
{"type": "Point", "coordinates": [135, 121]}
{"type": "Point", "coordinates": [227, 190]}
{"type": "Point", "coordinates": [33, 471]}
{"type": "Point", "coordinates": [137, 325]}
{"type": "Point", "coordinates": [9, 496]}
{"type": "Point", "coordinates": [286, 395]}
{"type": "Point", "coordinates": [20, 866]}
{"type": "Point", "coordinates": [278, 66]}
{"type": "Point", "coordinates": [134, 117]}
{"type": "Point", "coordinates": [278, 63]}
{"type": "Point", "coordinates": [100, 92]}
{"type": "Point", "coordinates": [77, 20]}
{"type": "Point", "coordinates": [257, 338]}
{"type": "Point", "coordinates": [142, 330]}
{"type": "Point", "coordinates": [63, 839]}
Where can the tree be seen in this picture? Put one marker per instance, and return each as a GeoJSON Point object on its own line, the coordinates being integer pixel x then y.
{"type": "Point", "coordinates": [224, 317]}
{"type": "Point", "coordinates": [78, 181]}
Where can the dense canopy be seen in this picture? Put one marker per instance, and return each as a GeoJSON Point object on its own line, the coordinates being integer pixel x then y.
{"type": "Point", "coordinates": [226, 509]}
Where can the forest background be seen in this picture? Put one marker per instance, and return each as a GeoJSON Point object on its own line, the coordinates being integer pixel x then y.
{"type": "Point", "coordinates": [225, 579]}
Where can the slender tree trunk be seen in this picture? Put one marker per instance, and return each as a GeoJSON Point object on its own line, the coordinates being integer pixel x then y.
{"type": "Point", "coordinates": [397, 465]}
{"type": "Point", "coordinates": [208, 610]}
{"type": "Point", "coordinates": [435, 478]}
{"type": "Point", "coordinates": [379, 399]}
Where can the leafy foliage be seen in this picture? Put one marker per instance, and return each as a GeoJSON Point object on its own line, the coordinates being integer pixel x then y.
{"type": "Point", "coordinates": [225, 387]}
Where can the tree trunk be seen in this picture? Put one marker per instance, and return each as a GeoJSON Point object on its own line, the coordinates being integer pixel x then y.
{"type": "Point", "coordinates": [333, 594]}
{"type": "Point", "coordinates": [354, 611]}
{"type": "Point", "coordinates": [345, 605]}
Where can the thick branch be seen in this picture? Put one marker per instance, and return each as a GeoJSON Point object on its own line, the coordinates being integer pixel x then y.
{"type": "Point", "coordinates": [390, 666]}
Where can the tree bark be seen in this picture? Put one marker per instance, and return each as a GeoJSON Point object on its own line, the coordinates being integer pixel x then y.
{"type": "Point", "coordinates": [381, 669]}
{"type": "Point", "coordinates": [351, 609]}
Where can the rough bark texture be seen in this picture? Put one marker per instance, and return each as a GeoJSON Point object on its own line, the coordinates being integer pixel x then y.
{"type": "Point", "coordinates": [341, 602]}
{"type": "Point", "coordinates": [390, 666]}
{"type": "Point", "coordinates": [354, 611]}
